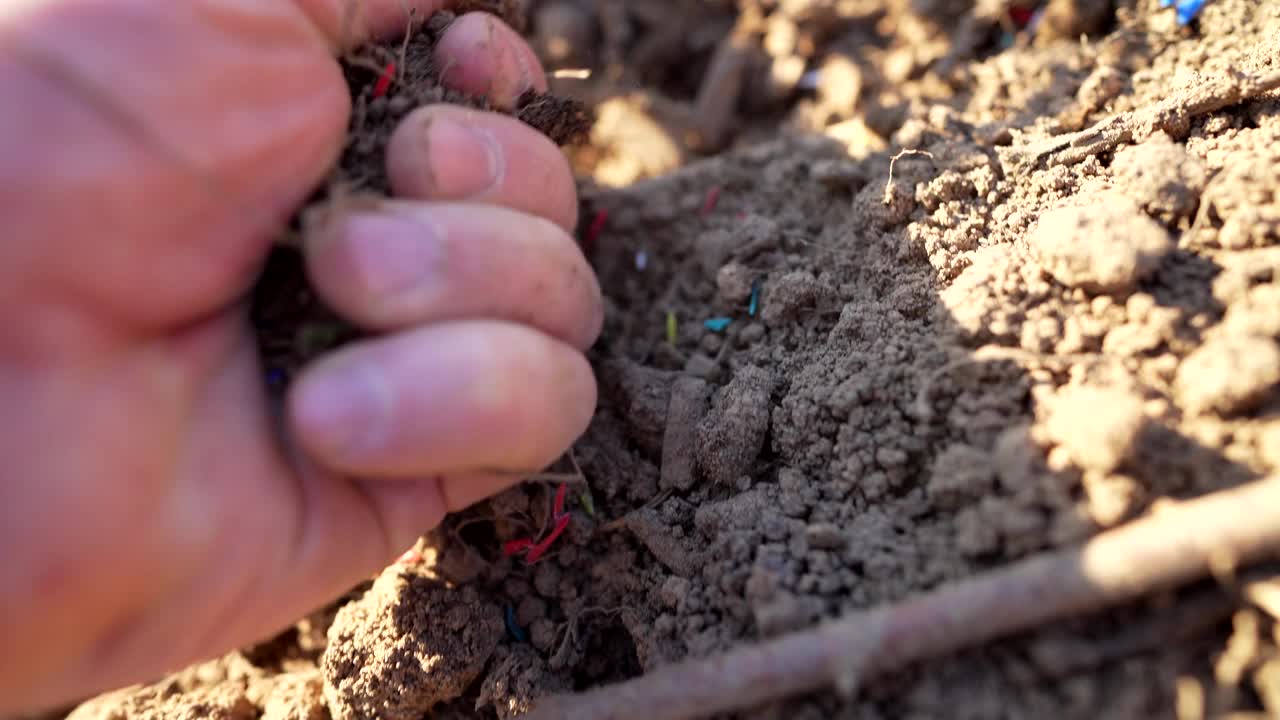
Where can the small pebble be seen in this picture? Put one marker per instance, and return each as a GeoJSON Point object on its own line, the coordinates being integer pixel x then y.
{"type": "Point", "coordinates": [751, 334]}
{"type": "Point", "coordinates": [824, 536]}
{"type": "Point", "coordinates": [701, 366]}
{"type": "Point", "coordinates": [733, 282]}
{"type": "Point", "coordinates": [711, 343]}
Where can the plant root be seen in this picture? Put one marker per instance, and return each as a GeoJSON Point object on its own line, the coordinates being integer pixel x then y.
{"type": "Point", "coordinates": [893, 161]}
{"type": "Point", "coordinates": [1176, 544]}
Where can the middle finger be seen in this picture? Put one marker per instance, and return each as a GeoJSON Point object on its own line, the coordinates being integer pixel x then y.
{"type": "Point", "coordinates": [412, 263]}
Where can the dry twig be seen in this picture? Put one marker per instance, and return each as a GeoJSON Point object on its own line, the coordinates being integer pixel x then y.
{"type": "Point", "coordinates": [1177, 544]}
{"type": "Point", "coordinates": [1172, 115]}
{"type": "Point", "coordinates": [714, 108]}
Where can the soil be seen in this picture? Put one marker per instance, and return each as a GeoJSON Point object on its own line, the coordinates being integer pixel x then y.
{"type": "Point", "coordinates": [1060, 311]}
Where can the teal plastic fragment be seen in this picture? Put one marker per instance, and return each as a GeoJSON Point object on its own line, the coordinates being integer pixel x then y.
{"type": "Point", "coordinates": [1187, 9]}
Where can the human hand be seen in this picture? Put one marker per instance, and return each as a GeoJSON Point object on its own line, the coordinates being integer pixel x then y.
{"type": "Point", "coordinates": [149, 514]}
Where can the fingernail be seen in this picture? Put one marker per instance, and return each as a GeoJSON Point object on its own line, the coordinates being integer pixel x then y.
{"type": "Point", "coordinates": [525, 83]}
{"type": "Point", "coordinates": [465, 161]}
{"type": "Point", "coordinates": [512, 64]}
{"type": "Point", "coordinates": [342, 411]}
{"type": "Point", "coordinates": [393, 254]}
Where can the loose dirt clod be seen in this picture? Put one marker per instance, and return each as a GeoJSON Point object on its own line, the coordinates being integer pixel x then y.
{"type": "Point", "coordinates": [1229, 375]}
{"type": "Point", "coordinates": [732, 435]}
{"type": "Point", "coordinates": [1096, 426]}
{"type": "Point", "coordinates": [227, 701]}
{"type": "Point", "coordinates": [688, 405]}
{"type": "Point", "coordinates": [1161, 176]}
{"type": "Point", "coordinates": [514, 683]}
{"type": "Point", "coordinates": [1106, 245]}
{"type": "Point", "coordinates": [298, 696]}
{"type": "Point", "coordinates": [409, 644]}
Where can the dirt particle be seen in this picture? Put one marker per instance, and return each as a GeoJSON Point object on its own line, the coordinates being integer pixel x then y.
{"type": "Point", "coordinates": [1269, 445]}
{"type": "Point", "coordinates": [1228, 375]}
{"type": "Point", "coordinates": [975, 536]}
{"type": "Point", "coordinates": [1111, 498]}
{"type": "Point", "coordinates": [1243, 198]}
{"type": "Point", "coordinates": [702, 366]}
{"type": "Point", "coordinates": [689, 396]}
{"type": "Point", "coordinates": [1258, 313]}
{"type": "Point", "coordinates": [751, 334]}
{"type": "Point", "coordinates": [405, 646]}
{"type": "Point", "coordinates": [713, 249]}
{"type": "Point", "coordinates": [1017, 459]}
{"type": "Point", "coordinates": [222, 701]}
{"type": "Point", "coordinates": [1161, 177]}
{"type": "Point", "coordinates": [515, 682]}
{"type": "Point", "coordinates": [564, 120]}
{"type": "Point", "coordinates": [674, 591]}
{"type": "Point", "coordinates": [980, 298]}
{"type": "Point", "coordinates": [824, 536]}
{"type": "Point", "coordinates": [1242, 649]}
{"type": "Point", "coordinates": [1266, 681]}
{"type": "Point", "coordinates": [757, 234]}
{"type": "Point", "coordinates": [296, 696]}
{"type": "Point", "coordinates": [783, 613]}
{"type": "Point", "coordinates": [657, 536]}
{"type": "Point", "coordinates": [1105, 246]}
{"type": "Point", "coordinates": [1095, 425]}
{"type": "Point", "coordinates": [546, 580]}
{"type": "Point", "coordinates": [841, 86]}
{"type": "Point", "coordinates": [740, 512]}
{"type": "Point", "coordinates": [1102, 86]}
{"type": "Point", "coordinates": [734, 282]}
{"type": "Point", "coordinates": [790, 296]}
{"type": "Point", "coordinates": [543, 635]}
{"type": "Point", "coordinates": [961, 475]}
{"type": "Point", "coordinates": [732, 435]}
{"type": "Point", "coordinates": [531, 609]}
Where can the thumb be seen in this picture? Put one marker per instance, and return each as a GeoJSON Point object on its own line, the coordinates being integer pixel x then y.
{"type": "Point", "coordinates": [182, 133]}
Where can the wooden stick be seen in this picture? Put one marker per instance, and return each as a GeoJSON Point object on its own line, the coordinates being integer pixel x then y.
{"type": "Point", "coordinates": [715, 107]}
{"type": "Point", "coordinates": [1172, 546]}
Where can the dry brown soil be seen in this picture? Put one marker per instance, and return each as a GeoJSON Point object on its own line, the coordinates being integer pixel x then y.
{"type": "Point", "coordinates": [1008, 346]}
